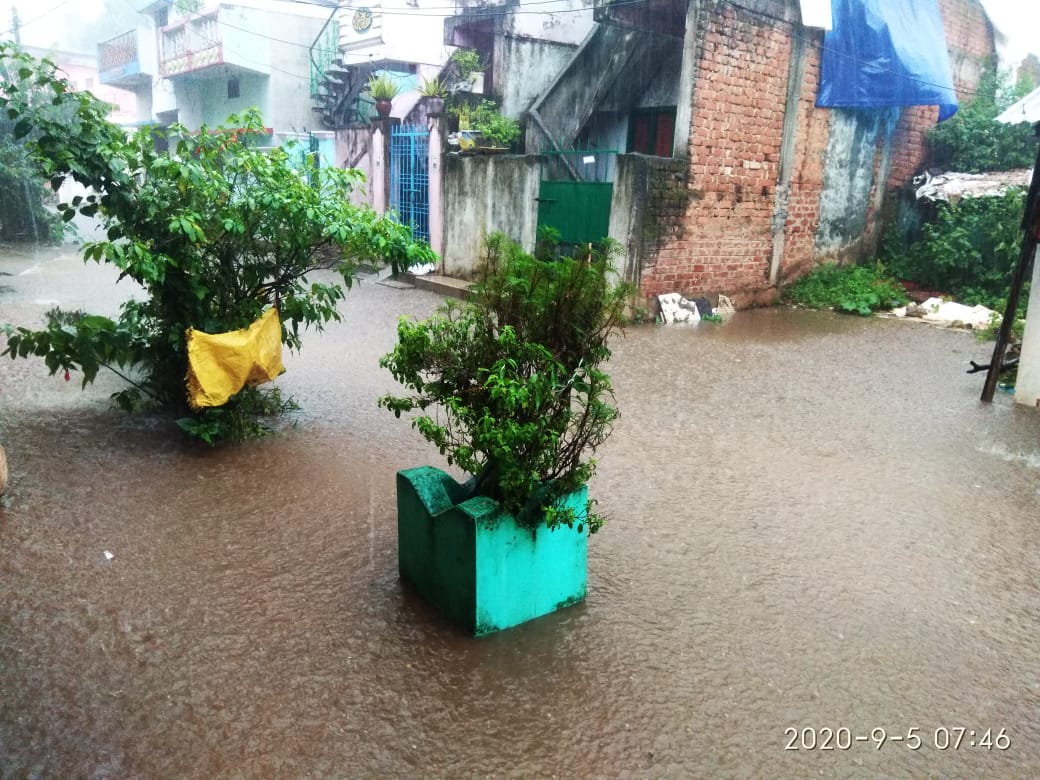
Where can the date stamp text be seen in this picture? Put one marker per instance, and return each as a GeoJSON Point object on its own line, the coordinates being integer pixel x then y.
{"type": "Point", "coordinates": [913, 738]}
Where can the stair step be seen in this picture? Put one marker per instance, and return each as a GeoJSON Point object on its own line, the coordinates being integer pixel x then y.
{"type": "Point", "coordinates": [448, 286]}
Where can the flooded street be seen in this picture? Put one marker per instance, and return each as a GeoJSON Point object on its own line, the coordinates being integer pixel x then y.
{"type": "Point", "coordinates": [812, 524]}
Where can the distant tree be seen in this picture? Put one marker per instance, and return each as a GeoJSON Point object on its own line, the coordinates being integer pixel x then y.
{"type": "Point", "coordinates": [971, 142]}
{"type": "Point", "coordinates": [1029, 73]}
{"type": "Point", "coordinates": [113, 18]}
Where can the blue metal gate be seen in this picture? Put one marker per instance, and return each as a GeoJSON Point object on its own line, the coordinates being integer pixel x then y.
{"type": "Point", "coordinates": [410, 177]}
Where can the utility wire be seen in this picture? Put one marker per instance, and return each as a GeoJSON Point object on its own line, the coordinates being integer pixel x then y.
{"type": "Point", "coordinates": [511, 10]}
{"type": "Point", "coordinates": [823, 47]}
{"type": "Point", "coordinates": [36, 18]}
{"type": "Point", "coordinates": [776, 20]}
{"type": "Point", "coordinates": [437, 11]}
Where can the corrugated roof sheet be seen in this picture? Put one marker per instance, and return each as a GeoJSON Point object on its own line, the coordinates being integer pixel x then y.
{"type": "Point", "coordinates": [952, 186]}
{"type": "Point", "coordinates": [1025, 110]}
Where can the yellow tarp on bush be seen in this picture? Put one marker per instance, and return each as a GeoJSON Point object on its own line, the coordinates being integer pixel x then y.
{"type": "Point", "coordinates": [221, 364]}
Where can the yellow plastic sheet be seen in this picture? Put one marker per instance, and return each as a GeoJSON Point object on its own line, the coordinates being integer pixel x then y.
{"type": "Point", "coordinates": [221, 364]}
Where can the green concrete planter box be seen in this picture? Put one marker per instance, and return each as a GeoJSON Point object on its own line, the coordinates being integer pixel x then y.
{"type": "Point", "coordinates": [481, 568]}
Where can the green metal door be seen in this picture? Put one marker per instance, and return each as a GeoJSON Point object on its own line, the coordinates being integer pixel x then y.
{"type": "Point", "coordinates": [575, 193]}
{"type": "Point", "coordinates": [580, 210]}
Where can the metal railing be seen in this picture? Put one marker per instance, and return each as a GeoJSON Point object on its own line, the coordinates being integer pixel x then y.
{"type": "Point", "coordinates": [588, 165]}
{"type": "Point", "coordinates": [118, 51]}
{"type": "Point", "coordinates": [322, 52]}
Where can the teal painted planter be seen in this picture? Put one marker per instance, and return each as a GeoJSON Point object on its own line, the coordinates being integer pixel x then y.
{"type": "Point", "coordinates": [481, 568]}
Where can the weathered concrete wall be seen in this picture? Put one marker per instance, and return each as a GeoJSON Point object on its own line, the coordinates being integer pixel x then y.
{"type": "Point", "coordinates": [527, 67]}
{"type": "Point", "coordinates": [648, 76]}
{"type": "Point", "coordinates": [851, 172]}
{"type": "Point", "coordinates": [561, 22]}
{"type": "Point", "coordinates": [352, 151]}
{"type": "Point", "coordinates": [482, 195]}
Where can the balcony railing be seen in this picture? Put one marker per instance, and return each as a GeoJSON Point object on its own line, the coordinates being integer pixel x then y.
{"type": "Point", "coordinates": [119, 61]}
{"type": "Point", "coordinates": [192, 44]}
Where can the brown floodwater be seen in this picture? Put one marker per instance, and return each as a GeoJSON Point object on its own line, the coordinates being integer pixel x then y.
{"type": "Point", "coordinates": [813, 524]}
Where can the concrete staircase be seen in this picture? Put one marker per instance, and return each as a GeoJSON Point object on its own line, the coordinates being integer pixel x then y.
{"type": "Point", "coordinates": [609, 54]}
{"type": "Point", "coordinates": [336, 100]}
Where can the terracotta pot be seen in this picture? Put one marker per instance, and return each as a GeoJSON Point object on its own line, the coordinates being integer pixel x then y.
{"type": "Point", "coordinates": [383, 108]}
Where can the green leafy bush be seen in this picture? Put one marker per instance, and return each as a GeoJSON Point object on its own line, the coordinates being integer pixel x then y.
{"type": "Point", "coordinates": [969, 251]}
{"type": "Point", "coordinates": [467, 62]}
{"type": "Point", "coordinates": [215, 232]}
{"type": "Point", "coordinates": [509, 385]}
{"type": "Point", "coordinates": [971, 142]}
{"type": "Point", "coordinates": [856, 289]}
{"type": "Point", "coordinates": [487, 120]}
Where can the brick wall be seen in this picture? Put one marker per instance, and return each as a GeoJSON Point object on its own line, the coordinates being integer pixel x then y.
{"type": "Point", "coordinates": [723, 241]}
{"type": "Point", "coordinates": [803, 208]}
{"type": "Point", "coordinates": [738, 107]}
{"type": "Point", "coordinates": [969, 38]}
{"type": "Point", "coordinates": [664, 220]}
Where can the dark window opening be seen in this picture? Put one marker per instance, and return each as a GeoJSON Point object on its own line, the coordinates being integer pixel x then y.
{"type": "Point", "coordinates": [162, 17]}
{"type": "Point", "coordinates": [652, 131]}
{"type": "Point", "coordinates": [233, 88]}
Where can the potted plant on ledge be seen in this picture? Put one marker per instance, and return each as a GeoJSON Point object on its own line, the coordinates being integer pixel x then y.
{"type": "Point", "coordinates": [495, 132]}
{"type": "Point", "coordinates": [434, 91]}
{"type": "Point", "coordinates": [383, 90]}
{"type": "Point", "coordinates": [509, 387]}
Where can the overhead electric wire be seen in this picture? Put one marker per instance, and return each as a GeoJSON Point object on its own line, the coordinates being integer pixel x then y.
{"type": "Point", "coordinates": [36, 18]}
{"type": "Point", "coordinates": [512, 10]}
{"type": "Point", "coordinates": [440, 11]}
{"type": "Point", "coordinates": [849, 57]}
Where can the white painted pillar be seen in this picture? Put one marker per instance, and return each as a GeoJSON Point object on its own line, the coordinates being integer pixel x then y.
{"type": "Point", "coordinates": [436, 185]}
{"type": "Point", "coordinates": [380, 174]}
{"type": "Point", "coordinates": [1027, 386]}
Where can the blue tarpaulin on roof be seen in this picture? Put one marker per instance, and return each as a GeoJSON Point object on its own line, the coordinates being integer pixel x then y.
{"type": "Point", "coordinates": [886, 53]}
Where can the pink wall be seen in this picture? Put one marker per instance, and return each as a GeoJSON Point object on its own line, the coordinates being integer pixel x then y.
{"type": "Point", "coordinates": [85, 78]}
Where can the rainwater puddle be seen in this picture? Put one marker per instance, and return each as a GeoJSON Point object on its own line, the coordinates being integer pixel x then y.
{"type": "Point", "coordinates": [812, 524]}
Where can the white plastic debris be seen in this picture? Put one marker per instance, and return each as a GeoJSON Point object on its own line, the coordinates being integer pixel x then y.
{"type": "Point", "coordinates": [949, 314]}
{"type": "Point", "coordinates": [725, 309]}
{"type": "Point", "coordinates": [952, 186]}
{"type": "Point", "coordinates": [675, 308]}
{"type": "Point", "coordinates": [109, 556]}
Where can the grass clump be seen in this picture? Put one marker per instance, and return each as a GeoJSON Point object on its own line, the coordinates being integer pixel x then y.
{"type": "Point", "coordinates": [857, 289]}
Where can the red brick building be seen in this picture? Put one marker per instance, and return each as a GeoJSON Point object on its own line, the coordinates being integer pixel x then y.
{"type": "Point", "coordinates": [775, 185]}
{"type": "Point", "coordinates": [726, 176]}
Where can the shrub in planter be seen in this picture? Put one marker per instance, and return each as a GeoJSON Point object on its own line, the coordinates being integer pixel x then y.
{"type": "Point", "coordinates": [509, 387]}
